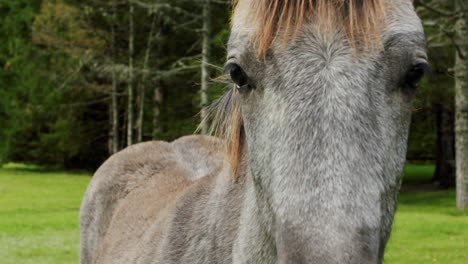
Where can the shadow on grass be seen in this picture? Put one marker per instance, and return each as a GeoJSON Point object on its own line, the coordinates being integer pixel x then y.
{"type": "Point", "coordinates": [418, 174]}
{"type": "Point", "coordinates": [441, 198]}
{"type": "Point", "coordinates": [33, 211]}
{"type": "Point", "coordinates": [17, 167]}
{"type": "Point", "coordinates": [438, 202]}
{"type": "Point", "coordinates": [418, 193]}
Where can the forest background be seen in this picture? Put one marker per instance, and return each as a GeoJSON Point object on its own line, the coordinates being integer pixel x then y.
{"type": "Point", "coordinates": [80, 80]}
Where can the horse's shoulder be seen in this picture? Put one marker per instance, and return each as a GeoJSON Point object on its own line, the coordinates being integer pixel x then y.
{"type": "Point", "coordinates": [130, 165]}
{"type": "Point", "coordinates": [163, 165]}
{"type": "Point", "coordinates": [196, 156]}
{"type": "Point", "coordinates": [200, 154]}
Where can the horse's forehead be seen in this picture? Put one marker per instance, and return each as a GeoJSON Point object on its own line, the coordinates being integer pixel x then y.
{"type": "Point", "coordinates": [401, 20]}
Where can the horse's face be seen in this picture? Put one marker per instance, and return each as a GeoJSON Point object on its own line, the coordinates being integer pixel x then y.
{"type": "Point", "coordinates": [326, 136]}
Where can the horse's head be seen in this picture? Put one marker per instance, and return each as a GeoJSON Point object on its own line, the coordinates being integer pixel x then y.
{"type": "Point", "coordinates": [322, 104]}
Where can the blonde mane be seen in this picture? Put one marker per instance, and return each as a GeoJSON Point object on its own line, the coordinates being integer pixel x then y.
{"type": "Point", "coordinates": [280, 20]}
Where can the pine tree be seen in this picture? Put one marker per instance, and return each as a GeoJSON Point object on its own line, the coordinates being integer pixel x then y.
{"type": "Point", "coordinates": [461, 116]}
{"type": "Point", "coordinates": [130, 99]}
{"type": "Point", "coordinates": [206, 53]}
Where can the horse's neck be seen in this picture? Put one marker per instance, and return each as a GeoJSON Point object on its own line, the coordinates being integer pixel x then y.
{"type": "Point", "coordinates": [255, 242]}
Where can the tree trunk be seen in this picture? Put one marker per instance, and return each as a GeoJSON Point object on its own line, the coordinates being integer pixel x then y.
{"type": "Point", "coordinates": [461, 102]}
{"type": "Point", "coordinates": [130, 77]}
{"type": "Point", "coordinates": [142, 84]}
{"type": "Point", "coordinates": [115, 108]}
{"type": "Point", "coordinates": [444, 174]}
{"type": "Point", "coordinates": [110, 136]}
{"type": "Point", "coordinates": [205, 64]}
{"type": "Point", "coordinates": [157, 102]}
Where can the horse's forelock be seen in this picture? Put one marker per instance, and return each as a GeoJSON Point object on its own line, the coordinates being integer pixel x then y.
{"type": "Point", "coordinates": [273, 20]}
{"type": "Point", "coordinates": [228, 125]}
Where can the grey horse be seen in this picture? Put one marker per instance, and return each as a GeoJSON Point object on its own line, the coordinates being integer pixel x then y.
{"type": "Point", "coordinates": [314, 134]}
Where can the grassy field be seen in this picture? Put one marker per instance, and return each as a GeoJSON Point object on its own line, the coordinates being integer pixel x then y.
{"type": "Point", "coordinates": [427, 228]}
{"type": "Point", "coordinates": [39, 215]}
{"type": "Point", "coordinates": [39, 219]}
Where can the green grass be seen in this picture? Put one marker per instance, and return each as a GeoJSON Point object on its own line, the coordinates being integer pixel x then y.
{"type": "Point", "coordinates": [417, 174]}
{"type": "Point", "coordinates": [39, 215]}
{"type": "Point", "coordinates": [427, 228]}
{"type": "Point", "coordinates": [39, 219]}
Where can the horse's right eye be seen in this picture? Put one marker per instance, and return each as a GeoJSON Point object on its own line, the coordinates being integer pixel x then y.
{"type": "Point", "coordinates": [415, 74]}
{"type": "Point", "coordinates": [238, 76]}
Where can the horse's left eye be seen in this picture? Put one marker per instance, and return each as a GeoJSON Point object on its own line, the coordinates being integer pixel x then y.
{"type": "Point", "coordinates": [416, 73]}
{"type": "Point", "coordinates": [238, 76]}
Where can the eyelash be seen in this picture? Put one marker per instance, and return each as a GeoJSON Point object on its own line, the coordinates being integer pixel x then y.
{"type": "Point", "coordinates": [238, 76]}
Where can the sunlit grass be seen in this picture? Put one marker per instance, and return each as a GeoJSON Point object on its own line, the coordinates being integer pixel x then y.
{"type": "Point", "coordinates": [427, 228]}
{"type": "Point", "coordinates": [39, 215]}
{"type": "Point", "coordinates": [39, 219]}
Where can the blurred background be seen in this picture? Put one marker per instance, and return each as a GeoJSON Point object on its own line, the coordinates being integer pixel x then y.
{"type": "Point", "coordinates": [83, 79]}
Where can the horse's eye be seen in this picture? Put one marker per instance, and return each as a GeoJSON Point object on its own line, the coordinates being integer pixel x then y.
{"type": "Point", "coordinates": [416, 73]}
{"type": "Point", "coordinates": [238, 76]}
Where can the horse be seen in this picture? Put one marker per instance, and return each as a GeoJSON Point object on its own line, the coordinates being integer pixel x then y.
{"type": "Point", "coordinates": [308, 155]}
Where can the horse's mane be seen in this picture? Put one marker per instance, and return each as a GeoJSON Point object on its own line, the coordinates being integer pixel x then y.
{"type": "Point", "coordinates": [280, 20]}
{"type": "Point", "coordinates": [272, 20]}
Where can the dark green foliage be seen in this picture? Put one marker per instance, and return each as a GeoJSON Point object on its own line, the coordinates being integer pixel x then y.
{"type": "Point", "coordinates": [55, 75]}
{"type": "Point", "coordinates": [435, 90]}
{"type": "Point", "coordinates": [56, 66]}
{"type": "Point", "coordinates": [45, 114]}
{"type": "Point", "coordinates": [16, 18]}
